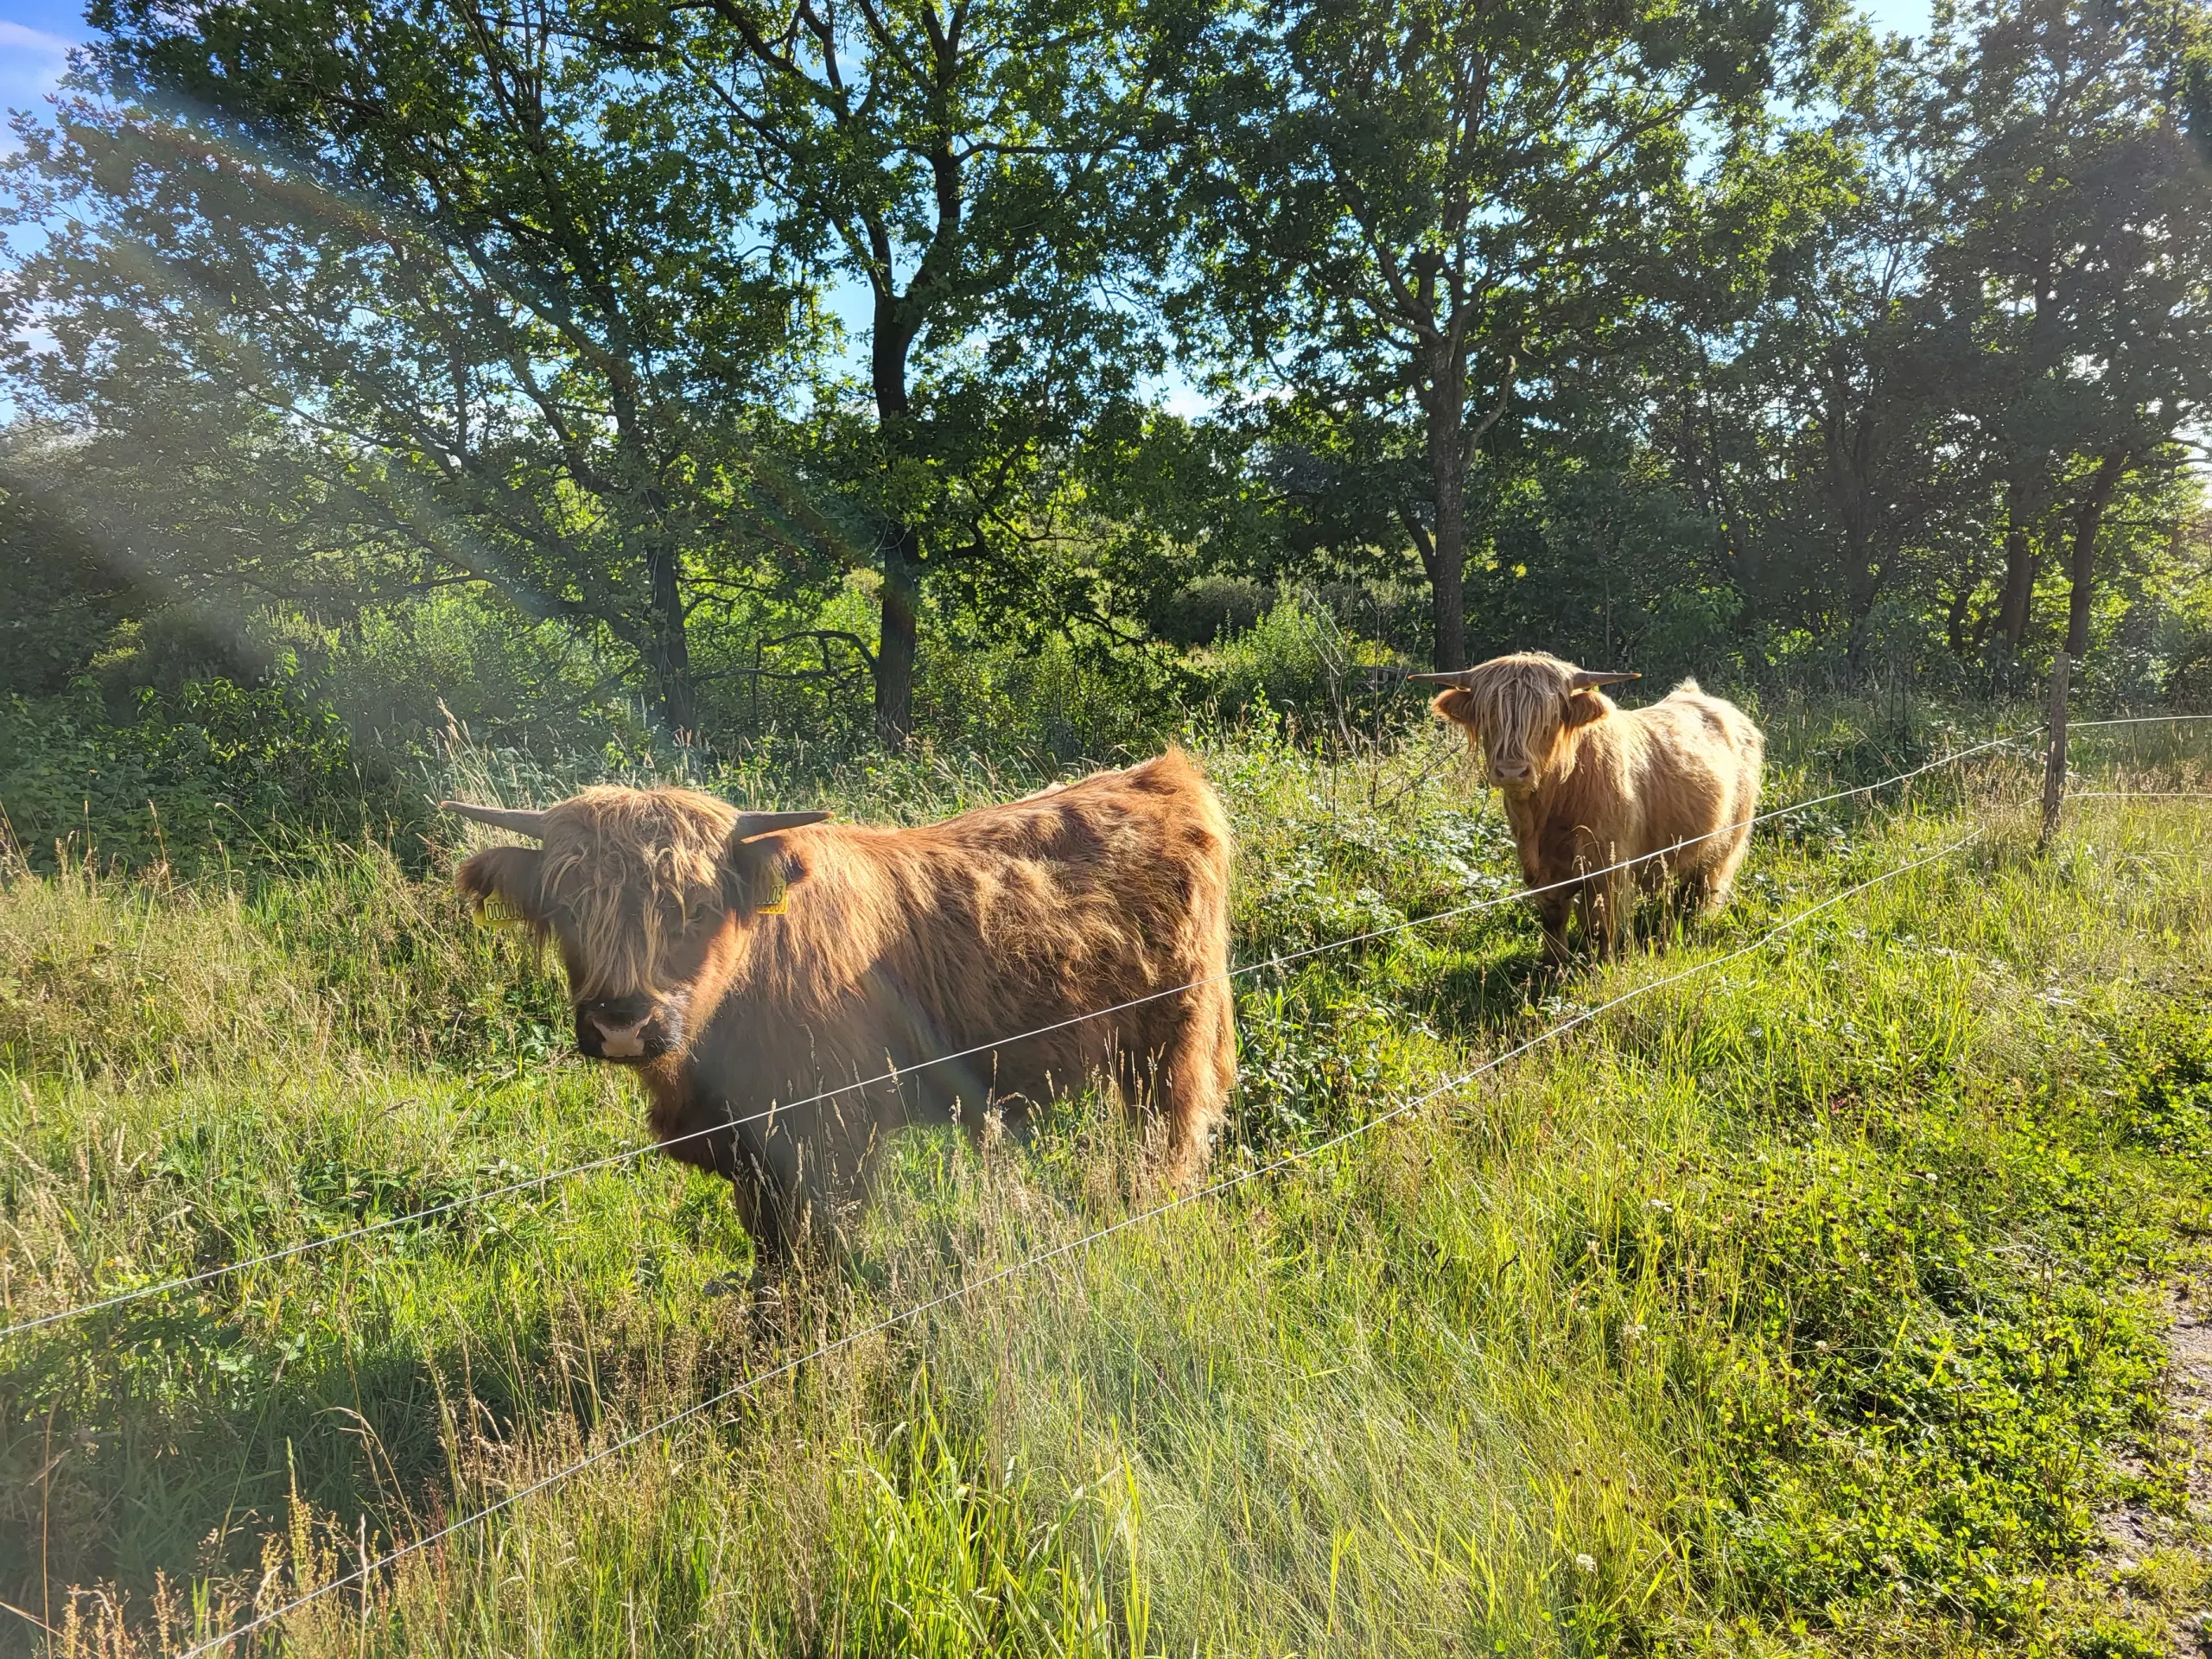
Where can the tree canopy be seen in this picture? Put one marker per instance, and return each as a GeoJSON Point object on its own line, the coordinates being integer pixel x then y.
{"type": "Point", "coordinates": [737, 348]}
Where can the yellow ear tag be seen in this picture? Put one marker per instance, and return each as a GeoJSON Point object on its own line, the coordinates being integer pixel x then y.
{"type": "Point", "coordinates": [778, 901]}
{"type": "Point", "coordinates": [498, 912]}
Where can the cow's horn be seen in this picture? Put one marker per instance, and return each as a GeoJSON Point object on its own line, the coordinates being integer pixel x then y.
{"type": "Point", "coordinates": [1585, 678]}
{"type": "Point", "coordinates": [750, 824]}
{"type": "Point", "coordinates": [1447, 676]}
{"type": "Point", "coordinates": [521, 820]}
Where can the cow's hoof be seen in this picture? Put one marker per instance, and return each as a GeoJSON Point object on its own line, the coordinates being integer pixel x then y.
{"type": "Point", "coordinates": [768, 1310]}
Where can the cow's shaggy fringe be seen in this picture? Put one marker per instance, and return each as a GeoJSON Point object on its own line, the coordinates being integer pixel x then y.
{"type": "Point", "coordinates": [632, 870]}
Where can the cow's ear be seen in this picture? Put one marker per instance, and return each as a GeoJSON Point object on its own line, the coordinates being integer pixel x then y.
{"type": "Point", "coordinates": [1457, 706]}
{"type": "Point", "coordinates": [503, 884]}
{"type": "Point", "coordinates": [1583, 707]}
{"type": "Point", "coordinates": [757, 875]}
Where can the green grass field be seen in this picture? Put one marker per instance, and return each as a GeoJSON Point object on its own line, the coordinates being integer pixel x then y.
{"type": "Point", "coordinates": [1815, 1302]}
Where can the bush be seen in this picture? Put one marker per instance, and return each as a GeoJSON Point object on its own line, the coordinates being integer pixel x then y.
{"type": "Point", "coordinates": [1211, 608]}
{"type": "Point", "coordinates": [1300, 658]}
{"type": "Point", "coordinates": [1058, 701]}
{"type": "Point", "coordinates": [213, 770]}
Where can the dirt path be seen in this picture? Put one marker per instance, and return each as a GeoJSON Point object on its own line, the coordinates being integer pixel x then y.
{"type": "Point", "coordinates": [2162, 1563]}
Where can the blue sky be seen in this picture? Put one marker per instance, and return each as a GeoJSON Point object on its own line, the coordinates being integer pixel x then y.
{"type": "Point", "coordinates": [35, 34]}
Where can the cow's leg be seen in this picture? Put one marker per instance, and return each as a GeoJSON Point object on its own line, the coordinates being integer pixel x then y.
{"type": "Point", "coordinates": [1720, 879]}
{"type": "Point", "coordinates": [695, 1132]}
{"type": "Point", "coordinates": [773, 1196]}
{"type": "Point", "coordinates": [1586, 915]}
{"type": "Point", "coordinates": [1552, 907]}
{"type": "Point", "coordinates": [997, 1118]}
{"type": "Point", "coordinates": [752, 1191]}
{"type": "Point", "coordinates": [1199, 1068]}
{"type": "Point", "coordinates": [762, 1206]}
{"type": "Point", "coordinates": [1605, 902]}
{"type": "Point", "coordinates": [1694, 891]}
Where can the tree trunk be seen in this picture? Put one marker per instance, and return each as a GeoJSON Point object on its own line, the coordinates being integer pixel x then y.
{"type": "Point", "coordinates": [894, 651]}
{"type": "Point", "coordinates": [1448, 467]}
{"type": "Point", "coordinates": [669, 651]}
{"type": "Point", "coordinates": [2054, 771]}
{"type": "Point", "coordinates": [2088, 518]}
{"type": "Point", "coordinates": [1955, 621]}
{"type": "Point", "coordinates": [1847, 424]}
{"type": "Point", "coordinates": [1860, 587]}
{"type": "Point", "coordinates": [2019, 569]}
{"type": "Point", "coordinates": [901, 541]}
{"type": "Point", "coordinates": [2043, 352]}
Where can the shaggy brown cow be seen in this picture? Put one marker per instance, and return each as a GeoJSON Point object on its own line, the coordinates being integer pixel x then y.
{"type": "Point", "coordinates": [742, 962]}
{"type": "Point", "coordinates": [1587, 784]}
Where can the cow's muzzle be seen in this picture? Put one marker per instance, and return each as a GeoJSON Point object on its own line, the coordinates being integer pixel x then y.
{"type": "Point", "coordinates": [626, 1029]}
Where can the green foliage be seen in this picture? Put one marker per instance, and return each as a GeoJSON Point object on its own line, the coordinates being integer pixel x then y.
{"type": "Point", "coordinates": [180, 778]}
{"type": "Point", "coordinates": [1927, 1430]}
{"type": "Point", "coordinates": [1057, 702]}
{"type": "Point", "coordinates": [1727, 339]}
{"type": "Point", "coordinates": [1202, 612]}
{"type": "Point", "coordinates": [1804, 1302]}
{"type": "Point", "coordinates": [986, 179]}
{"type": "Point", "coordinates": [60, 604]}
{"type": "Point", "coordinates": [443, 343]}
{"type": "Point", "coordinates": [105, 978]}
{"type": "Point", "coordinates": [939, 1556]}
{"type": "Point", "coordinates": [1412, 218]}
{"type": "Point", "coordinates": [1299, 656]}
{"type": "Point", "coordinates": [2164, 1095]}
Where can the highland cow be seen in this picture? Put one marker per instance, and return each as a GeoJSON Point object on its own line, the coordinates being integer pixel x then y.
{"type": "Point", "coordinates": [782, 986]}
{"type": "Point", "coordinates": [1588, 785]}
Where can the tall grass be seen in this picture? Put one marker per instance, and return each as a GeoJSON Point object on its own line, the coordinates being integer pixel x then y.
{"type": "Point", "coordinates": [1813, 1301]}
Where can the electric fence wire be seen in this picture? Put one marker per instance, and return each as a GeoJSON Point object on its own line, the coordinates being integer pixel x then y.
{"type": "Point", "coordinates": [368, 1569]}
{"type": "Point", "coordinates": [207, 1275]}
{"type": "Point", "coordinates": [2135, 794]}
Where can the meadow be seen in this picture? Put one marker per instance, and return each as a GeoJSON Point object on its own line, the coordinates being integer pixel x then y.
{"type": "Point", "coordinates": [1817, 1302]}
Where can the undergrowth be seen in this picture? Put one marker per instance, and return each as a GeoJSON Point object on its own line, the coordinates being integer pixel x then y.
{"type": "Point", "coordinates": [1811, 1302]}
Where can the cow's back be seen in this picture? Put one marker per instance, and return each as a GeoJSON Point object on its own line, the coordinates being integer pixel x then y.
{"type": "Point", "coordinates": [1701, 762]}
{"type": "Point", "coordinates": [897, 946]}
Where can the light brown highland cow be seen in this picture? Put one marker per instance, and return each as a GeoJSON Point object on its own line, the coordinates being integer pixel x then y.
{"type": "Point", "coordinates": [1588, 784]}
{"type": "Point", "coordinates": [743, 961]}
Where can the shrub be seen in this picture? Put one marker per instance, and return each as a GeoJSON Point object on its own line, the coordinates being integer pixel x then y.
{"type": "Point", "coordinates": [1298, 659]}
{"type": "Point", "coordinates": [1210, 609]}
{"type": "Point", "coordinates": [213, 771]}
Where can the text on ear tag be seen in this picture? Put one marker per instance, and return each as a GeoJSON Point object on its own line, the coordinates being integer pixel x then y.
{"type": "Point", "coordinates": [779, 899]}
{"type": "Point", "coordinates": [498, 912]}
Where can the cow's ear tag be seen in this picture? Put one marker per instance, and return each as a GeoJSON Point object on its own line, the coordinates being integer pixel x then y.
{"type": "Point", "coordinates": [495, 911]}
{"type": "Point", "coordinates": [779, 897]}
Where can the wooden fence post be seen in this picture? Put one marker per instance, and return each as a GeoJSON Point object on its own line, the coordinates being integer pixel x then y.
{"type": "Point", "coordinates": [2054, 777]}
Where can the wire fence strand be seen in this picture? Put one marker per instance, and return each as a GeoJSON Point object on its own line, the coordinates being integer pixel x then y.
{"type": "Point", "coordinates": [368, 1229]}
{"type": "Point", "coordinates": [368, 1570]}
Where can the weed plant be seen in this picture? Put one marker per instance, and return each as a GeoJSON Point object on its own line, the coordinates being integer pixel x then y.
{"type": "Point", "coordinates": [1813, 1303]}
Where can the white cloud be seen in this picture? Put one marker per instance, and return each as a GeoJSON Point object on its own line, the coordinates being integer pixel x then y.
{"type": "Point", "coordinates": [31, 62]}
